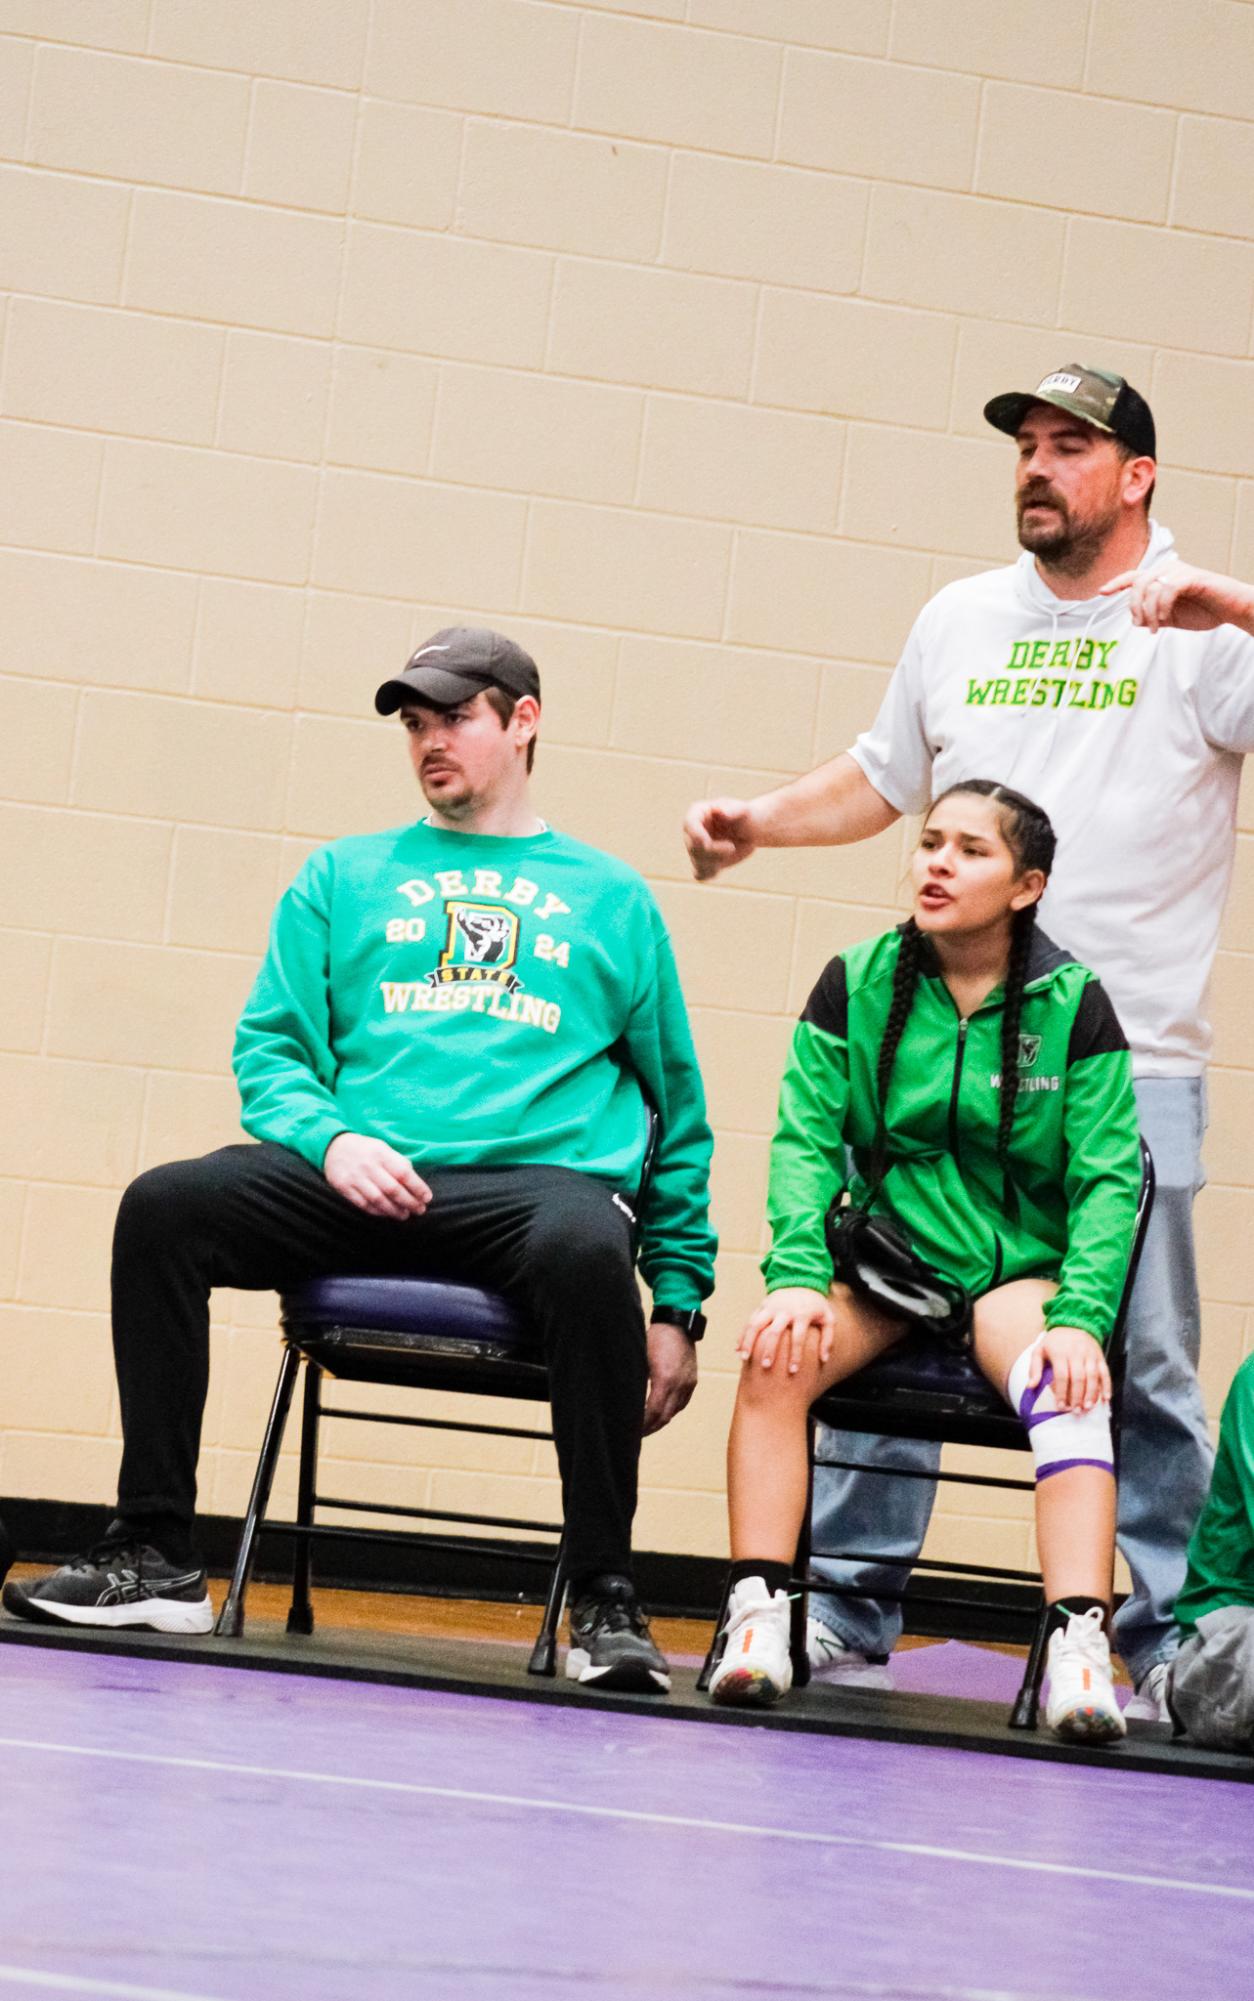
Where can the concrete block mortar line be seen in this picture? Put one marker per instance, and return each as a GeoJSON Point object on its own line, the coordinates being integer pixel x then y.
{"type": "Point", "coordinates": [729, 575]}
{"type": "Point", "coordinates": [576, 69]}
{"type": "Point", "coordinates": [167, 913]}
{"type": "Point", "coordinates": [1086, 63]}
{"type": "Point", "coordinates": [28, 109]}
{"type": "Point", "coordinates": [23, 1188]}
{"type": "Point", "coordinates": [868, 219]}
{"type": "Point", "coordinates": [336, 345]}
{"type": "Point", "coordinates": [794, 946]}
{"type": "Point", "coordinates": [977, 154]}
{"type": "Point", "coordinates": [557, 265]}
{"type": "Point", "coordinates": [617, 671]}
{"type": "Point", "coordinates": [211, 448]}
{"type": "Point", "coordinates": [75, 754]}
{"type": "Point", "coordinates": [668, 193]}
{"type": "Point", "coordinates": [786, 56]}
{"type": "Point", "coordinates": [128, 238]}
{"type": "Point", "coordinates": [243, 959]}
{"type": "Point", "coordinates": [755, 351]}
{"type": "Point", "coordinates": [455, 227]}
{"type": "Point", "coordinates": [145, 1114]}
{"type": "Point", "coordinates": [250, 133]}
{"type": "Point", "coordinates": [818, 751]}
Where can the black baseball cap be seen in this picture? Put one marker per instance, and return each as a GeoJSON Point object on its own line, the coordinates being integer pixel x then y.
{"type": "Point", "coordinates": [456, 664]}
{"type": "Point", "coordinates": [1092, 394]}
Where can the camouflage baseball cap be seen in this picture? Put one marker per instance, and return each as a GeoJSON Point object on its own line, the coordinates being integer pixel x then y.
{"type": "Point", "coordinates": [1099, 398]}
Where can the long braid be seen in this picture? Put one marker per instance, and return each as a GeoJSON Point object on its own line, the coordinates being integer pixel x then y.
{"type": "Point", "coordinates": [905, 980]}
{"type": "Point", "coordinates": [1030, 837]}
{"type": "Point", "coordinates": [1021, 935]}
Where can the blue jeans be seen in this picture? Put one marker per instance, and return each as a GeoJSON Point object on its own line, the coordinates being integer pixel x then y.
{"type": "Point", "coordinates": [1165, 1450]}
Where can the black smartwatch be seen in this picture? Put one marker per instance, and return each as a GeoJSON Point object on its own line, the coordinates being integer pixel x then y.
{"type": "Point", "coordinates": [690, 1318]}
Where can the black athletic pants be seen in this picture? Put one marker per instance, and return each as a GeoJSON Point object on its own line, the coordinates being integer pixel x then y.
{"type": "Point", "coordinates": [557, 1243]}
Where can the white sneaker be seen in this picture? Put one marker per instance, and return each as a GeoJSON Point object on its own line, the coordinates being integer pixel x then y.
{"type": "Point", "coordinates": [1149, 1704]}
{"type": "Point", "coordinates": [1082, 1705]}
{"type": "Point", "coordinates": [831, 1659]}
{"type": "Point", "coordinates": [756, 1669]}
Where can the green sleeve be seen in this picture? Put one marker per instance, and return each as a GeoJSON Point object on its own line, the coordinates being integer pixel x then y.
{"type": "Point", "coordinates": [1102, 1178]}
{"type": "Point", "coordinates": [677, 1244]}
{"type": "Point", "coordinates": [807, 1152]}
{"type": "Point", "coordinates": [1221, 1553]}
{"type": "Point", "coordinates": [283, 1062]}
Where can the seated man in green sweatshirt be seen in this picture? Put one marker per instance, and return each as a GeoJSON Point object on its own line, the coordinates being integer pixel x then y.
{"type": "Point", "coordinates": [446, 1057]}
{"type": "Point", "coordinates": [1211, 1689]}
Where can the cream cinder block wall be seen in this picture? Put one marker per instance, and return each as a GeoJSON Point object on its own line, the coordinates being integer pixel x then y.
{"type": "Point", "coordinates": [656, 332]}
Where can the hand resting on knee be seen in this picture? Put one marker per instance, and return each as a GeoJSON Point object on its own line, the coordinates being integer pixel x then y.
{"type": "Point", "coordinates": [784, 1323]}
{"type": "Point", "coordinates": [373, 1176]}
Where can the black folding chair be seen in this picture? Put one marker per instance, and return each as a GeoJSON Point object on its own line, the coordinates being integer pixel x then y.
{"type": "Point", "coordinates": [922, 1389]}
{"type": "Point", "coordinates": [416, 1333]}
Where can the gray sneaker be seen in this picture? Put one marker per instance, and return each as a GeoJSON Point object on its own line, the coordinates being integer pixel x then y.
{"type": "Point", "coordinates": [610, 1642]}
{"type": "Point", "coordinates": [1149, 1704]}
{"type": "Point", "coordinates": [119, 1583]}
{"type": "Point", "coordinates": [833, 1660]}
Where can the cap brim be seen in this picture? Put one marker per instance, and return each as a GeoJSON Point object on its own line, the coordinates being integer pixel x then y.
{"type": "Point", "coordinates": [1006, 413]}
{"type": "Point", "coordinates": [429, 684]}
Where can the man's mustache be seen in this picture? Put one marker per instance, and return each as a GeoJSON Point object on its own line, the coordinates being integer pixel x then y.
{"type": "Point", "coordinates": [1032, 496]}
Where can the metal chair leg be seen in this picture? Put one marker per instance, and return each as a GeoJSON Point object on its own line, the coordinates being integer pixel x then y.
{"type": "Point", "coordinates": [300, 1617]}
{"type": "Point", "coordinates": [1028, 1701]}
{"type": "Point", "coordinates": [798, 1650]}
{"type": "Point", "coordinates": [544, 1653]}
{"type": "Point", "coordinates": [231, 1618]}
{"type": "Point", "coordinates": [715, 1653]}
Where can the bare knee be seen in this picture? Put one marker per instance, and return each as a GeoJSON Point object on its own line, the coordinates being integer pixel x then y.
{"type": "Point", "coordinates": [778, 1389]}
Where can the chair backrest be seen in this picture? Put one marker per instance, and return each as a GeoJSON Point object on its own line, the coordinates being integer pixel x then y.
{"type": "Point", "coordinates": [1117, 1346]}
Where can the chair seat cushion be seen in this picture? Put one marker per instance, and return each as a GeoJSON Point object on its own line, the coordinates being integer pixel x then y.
{"type": "Point", "coordinates": [927, 1370]}
{"type": "Point", "coordinates": [428, 1308]}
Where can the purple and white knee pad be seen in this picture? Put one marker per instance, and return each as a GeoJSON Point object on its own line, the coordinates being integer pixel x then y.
{"type": "Point", "coordinates": [1059, 1438]}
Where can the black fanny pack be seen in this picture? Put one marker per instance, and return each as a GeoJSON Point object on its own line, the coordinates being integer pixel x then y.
{"type": "Point", "coordinates": [870, 1256]}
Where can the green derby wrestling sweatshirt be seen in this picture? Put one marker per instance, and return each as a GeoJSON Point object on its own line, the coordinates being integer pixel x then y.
{"type": "Point", "coordinates": [1074, 1154]}
{"type": "Point", "coordinates": [488, 1001]}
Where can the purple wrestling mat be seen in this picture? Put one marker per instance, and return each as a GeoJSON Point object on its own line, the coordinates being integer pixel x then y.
{"type": "Point", "coordinates": [182, 1832]}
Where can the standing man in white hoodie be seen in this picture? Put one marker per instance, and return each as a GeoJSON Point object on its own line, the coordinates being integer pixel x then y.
{"type": "Point", "coordinates": [1119, 694]}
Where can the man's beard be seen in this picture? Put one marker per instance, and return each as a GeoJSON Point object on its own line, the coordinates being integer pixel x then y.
{"type": "Point", "coordinates": [456, 804]}
{"type": "Point", "coordinates": [1061, 541]}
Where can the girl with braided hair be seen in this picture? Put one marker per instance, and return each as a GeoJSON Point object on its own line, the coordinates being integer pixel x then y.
{"type": "Point", "coordinates": [980, 1083]}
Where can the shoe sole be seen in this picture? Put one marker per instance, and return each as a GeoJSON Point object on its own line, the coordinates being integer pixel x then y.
{"type": "Point", "coordinates": [1143, 1709]}
{"type": "Point", "coordinates": [150, 1615]}
{"type": "Point", "coordinates": [1089, 1726]}
{"type": "Point", "coordinates": [630, 1677]}
{"type": "Point", "coordinates": [746, 1688]}
{"type": "Point", "coordinates": [873, 1678]}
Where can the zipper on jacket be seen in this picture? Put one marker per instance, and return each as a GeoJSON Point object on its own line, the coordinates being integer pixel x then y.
{"type": "Point", "coordinates": [964, 1022]}
{"type": "Point", "coordinates": [953, 1095]}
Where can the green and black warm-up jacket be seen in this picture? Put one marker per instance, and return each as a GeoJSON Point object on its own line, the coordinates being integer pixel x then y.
{"type": "Point", "coordinates": [1074, 1154]}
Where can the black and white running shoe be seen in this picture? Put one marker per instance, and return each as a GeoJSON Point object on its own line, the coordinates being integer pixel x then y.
{"type": "Point", "coordinates": [119, 1583]}
{"type": "Point", "coordinates": [610, 1642]}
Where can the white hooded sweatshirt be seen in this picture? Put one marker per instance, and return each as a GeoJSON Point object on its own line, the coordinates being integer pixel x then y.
{"type": "Point", "coordinates": [1132, 743]}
